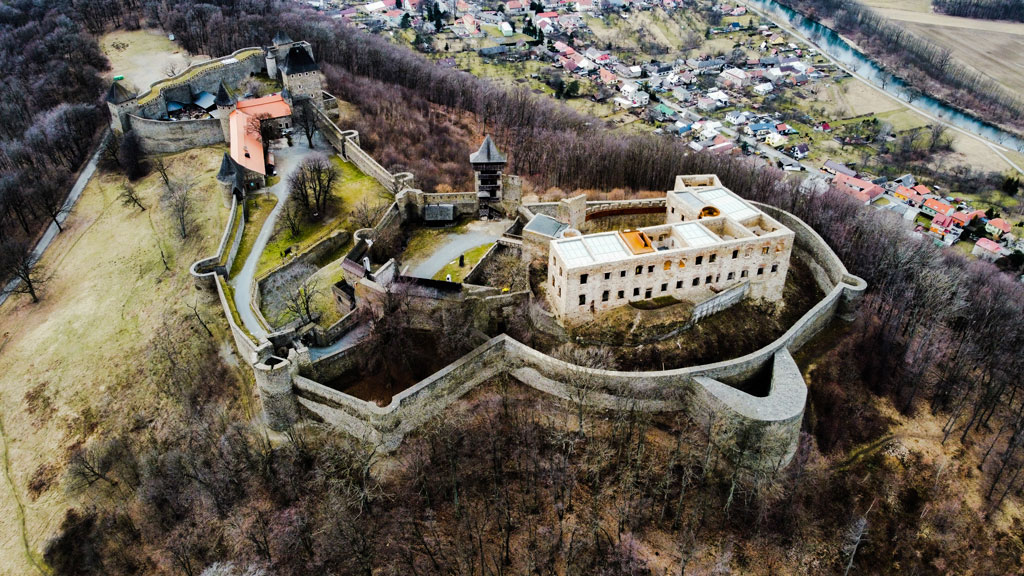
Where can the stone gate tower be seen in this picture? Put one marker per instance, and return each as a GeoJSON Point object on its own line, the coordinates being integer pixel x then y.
{"type": "Point", "coordinates": [488, 164]}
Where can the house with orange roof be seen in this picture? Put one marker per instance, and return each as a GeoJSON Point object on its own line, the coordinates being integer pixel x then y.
{"type": "Point", "coordinates": [246, 143]}
{"type": "Point", "coordinates": [997, 227]}
{"type": "Point", "coordinates": [965, 218]}
{"type": "Point", "coordinates": [933, 207]}
{"type": "Point", "coordinates": [608, 77]}
{"type": "Point", "coordinates": [907, 195]}
{"type": "Point", "coordinates": [922, 190]}
{"type": "Point", "coordinates": [862, 190]}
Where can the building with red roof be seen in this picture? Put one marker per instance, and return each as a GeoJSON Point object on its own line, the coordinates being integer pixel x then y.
{"type": "Point", "coordinates": [247, 147]}
{"type": "Point", "coordinates": [933, 207]}
{"type": "Point", "coordinates": [987, 250]}
{"type": "Point", "coordinates": [862, 190]}
{"type": "Point", "coordinates": [908, 195]}
{"type": "Point", "coordinates": [997, 227]}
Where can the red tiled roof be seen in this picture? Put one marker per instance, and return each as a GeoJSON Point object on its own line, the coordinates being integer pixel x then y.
{"type": "Point", "coordinates": [867, 190]}
{"type": "Point", "coordinates": [986, 244]}
{"type": "Point", "coordinates": [1000, 224]}
{"type": "Point", "coordinates": [937, 205]}
{"type": "Point", "coordinates": [246, 147]}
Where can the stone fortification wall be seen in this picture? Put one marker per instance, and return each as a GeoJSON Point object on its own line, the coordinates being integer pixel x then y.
{"type": "Point", "coordinates": [204, 271]}
{"type": "Point", "coordinates": [346, 143]}
{"type": "Point", "coordinates": [719, 302]}
{"type": "Point", "coordinates": [326, 336]}
{"type": "Point", "coordinates": [162, 137]}
{"type": "Point", "coordinates": [204, 76]}
{"type": "Point", "coordinates": [769, 424]}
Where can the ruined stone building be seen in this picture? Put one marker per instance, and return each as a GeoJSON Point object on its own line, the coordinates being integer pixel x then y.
{"type": "Point", "coordinates": [712, 240]}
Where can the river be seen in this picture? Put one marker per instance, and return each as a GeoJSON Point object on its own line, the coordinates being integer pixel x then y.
{"type": "Point", "coordinates": [835, 46]}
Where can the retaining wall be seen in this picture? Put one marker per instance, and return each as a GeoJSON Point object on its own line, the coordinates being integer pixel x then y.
{"type": "Point", "coordinates": [204, 271]}
{"type": "Point", "coordinates": [163, 137]}
{"type": "Point", "coordinates": [719, 302]}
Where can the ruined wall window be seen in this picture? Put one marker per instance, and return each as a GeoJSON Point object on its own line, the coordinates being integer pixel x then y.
{"type": "Point", "coordinates": [639, 270]}
{"type": "Point", "coordinates": [698, 261]}
{"type": "Point", "coordinates": [559, 290]}
{"type": "Point", "coordinates": [583, 299]}
{"type": "Point", "coordinates": [730, 276]}
{"type": "Point", "coordinates": [668, 265]}
{"type": "Point", "coordinates": [622, 294]}
{"type": "Point", "coordinates": [711, 259]}
{"type": "Point", "coordinates": [622, 274]}
{"type": "Point", "coordinates": [650, 269]}
{"type": "Point", "coordinates": [682, 263]}
{"type": "Point", "coordinates": [607, 275]}
{"type": "Point", "coordinates": [764, 250]}
{"type": "Point", "coordinates": [743, 274]}
{"type": "Point", "coordinates": [748, 252]}
{"type": "Point", "coordinates": [679, 284]}
{"type": "Point", "coordinates": [636, 291]}
{"type": "Point", "coordinates": [664, 287]}
{"type": "Point", "coordinates": [647, 293]}
{"type": "Point", "coordinates": [583, 278]}
{"type": "Point", "coordinates": [775, 268]}
{"type": "Point", "coordinates": [696, 281]}
{"type": "Point", "coordinates": [707, 280]}
{"type": "Point", "coordinates": [760, 270]}
{"type": "Point", "coordinates": [604, 296]}
{"type": "Point", "coordinates": [735, 254]}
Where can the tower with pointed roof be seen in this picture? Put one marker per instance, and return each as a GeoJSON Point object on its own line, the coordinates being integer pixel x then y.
{"type": "Point", "coordinates": [121, 101]}
{"type": "Point", "coordinates": [488, 164]}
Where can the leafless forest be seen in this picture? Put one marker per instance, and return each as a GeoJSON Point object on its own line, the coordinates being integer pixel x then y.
{"type": "Point", "coordinates": [512, 483]}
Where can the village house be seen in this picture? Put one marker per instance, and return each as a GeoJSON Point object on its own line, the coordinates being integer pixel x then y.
{"type": "Point", "coordinates": [906, 194]}
{"type": "Point", "coordinates": [835, 168]}
{"type": "Point", "coordinates": [933, 207]}
{"type": "Point", "coordinates": [862, 190]}
{"type": "Point", "coordinates": [733, 78]}
{"type": "Point", "coordinates": [943, 226]}
{"type": "Point", "coordinates": [764, 88]}
{"type": "Point", "coordinates": [986, 249]}
{"type": "Point", "coordinates": [997, 227]}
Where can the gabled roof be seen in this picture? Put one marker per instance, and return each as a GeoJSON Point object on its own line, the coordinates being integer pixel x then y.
{"type": "Point", "coordinates": [986, 244]}
{"type": "Point", "coordinates": [119, 93]}
{"type": "Point", "coordinates": [937, 206]}
{"type": "Point", "coordinates": [1000, 224]}
{"type": "Point", "coordinates": [298, 61]}
{"type": "Point", "coordinates": [487, 154]}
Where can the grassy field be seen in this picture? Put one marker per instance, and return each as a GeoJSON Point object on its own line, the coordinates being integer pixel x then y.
{"type": "Point", "coordinates": [71, 362]}
{"type": "Point", "coordinates": [991, 46]}
{"type": "Point", "coordinates": [142, 56]}
{"type": "Point", "coordinates": [459, 272]}
{"type": "Point", "coordinates": [353, 187]}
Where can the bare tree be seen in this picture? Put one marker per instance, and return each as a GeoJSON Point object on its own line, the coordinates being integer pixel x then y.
{"type": "Point", "coordinates": [301, 301]}
{"type": "Point", "coordinates": [581, 383]}
{"type": "Point", "coordinates": [313, 182]}
{"type": "Point", "coordinates": [305, 119]}
{"type": "Point", "coordinates": [855, 536]}
{"type": "Point", "coordinates": [179, 199]}
{"type": "Point", "coordinates": [17, 261]}
{"type": "Point", "coordinates": [291, 214]}
{"type": "Point", "coordinates": [160, 165]}
{"type": "Point", "coordinates": [50, 197]}
{"type": "Point", "coordinates": [365, 213]}
{"type": "Point", "coordinates": [130, 197]}
{"type": "Point", "coordinates": [938, 139]}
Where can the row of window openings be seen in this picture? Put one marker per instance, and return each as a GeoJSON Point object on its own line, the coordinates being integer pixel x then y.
{"type": "Point", "coordinates": [668, 266]}
{"type": "Point", "coordinates": [605, 296]}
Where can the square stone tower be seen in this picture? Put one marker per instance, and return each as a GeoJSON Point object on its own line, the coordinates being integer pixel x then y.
{"type": "Point", "coordinates": [488, 164]}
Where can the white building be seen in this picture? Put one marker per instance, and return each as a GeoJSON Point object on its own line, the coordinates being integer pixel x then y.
{"type": "Point", "coordinates": [712, 240]}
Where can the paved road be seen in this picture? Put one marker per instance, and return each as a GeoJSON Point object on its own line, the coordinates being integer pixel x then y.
{"type": "Point", "coordinates": [478, 234]}
{"type": "Point", "coordinates": [51, 232]}
{"type": "Point", "coordinates": [287, 160]}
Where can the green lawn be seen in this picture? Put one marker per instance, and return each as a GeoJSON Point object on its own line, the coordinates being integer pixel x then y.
{"type": "Point", "coordinates": [423, 241]}
{"type": "Point", "coordinates": [458, 273]}
{"type": "Point", "coordinates": [259, 207]}
{"type": "Point", "coordinates": [353, 187]}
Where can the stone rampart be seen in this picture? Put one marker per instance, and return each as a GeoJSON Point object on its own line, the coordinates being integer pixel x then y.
{"type": "Point", "coordinates": [204, 271]}
{"type": "Point", "coordinates": [164, 137]}
{"type": "Point", "coordinates": [719, 302]}
{"type": "Point", "coordinates": [206, 76]}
